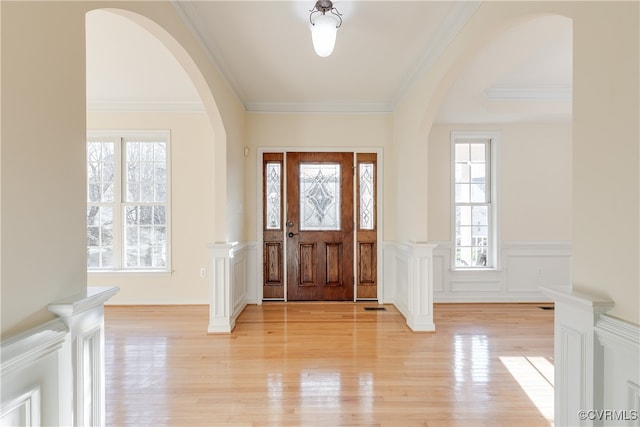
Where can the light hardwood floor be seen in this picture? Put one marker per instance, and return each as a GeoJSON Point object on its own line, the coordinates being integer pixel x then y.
{"type": "Point", "coordinates": [330, 364]}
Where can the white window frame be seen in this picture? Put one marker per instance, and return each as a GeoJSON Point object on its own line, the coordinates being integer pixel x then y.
{"type": "Point", "coordinates": [493, 251]}
{"type": "Point", "coordinates": [119, 138]}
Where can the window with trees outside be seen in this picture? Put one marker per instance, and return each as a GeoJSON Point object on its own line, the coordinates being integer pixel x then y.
{"type": "Point", "coordinates": [474, 200]}
{"type": "Point", "coordinates": [128, 201]}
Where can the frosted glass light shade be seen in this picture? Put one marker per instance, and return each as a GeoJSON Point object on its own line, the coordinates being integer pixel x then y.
{"type": "Point", "coordinates": [323, 34]}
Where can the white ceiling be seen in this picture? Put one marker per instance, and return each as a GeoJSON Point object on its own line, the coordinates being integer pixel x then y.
{"type": "Point", "coordinates": [264, 51]}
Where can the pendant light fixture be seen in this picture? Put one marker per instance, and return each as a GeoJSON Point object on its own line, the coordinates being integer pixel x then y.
{"type": "Point", "coordinates": [324, 27]}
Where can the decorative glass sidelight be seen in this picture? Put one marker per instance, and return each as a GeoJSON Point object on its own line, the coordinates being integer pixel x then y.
{"type": "Point", "coordinates": [319, 196]}
{"type": "Point", "coordinates": [273, 176]}
{"type": "Point", "coordinates": [366, 174]}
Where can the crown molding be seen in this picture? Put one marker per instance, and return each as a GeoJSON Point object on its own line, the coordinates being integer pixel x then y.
{"type": "Point", "coordinates": [504, 93]}
{"type": "Point", "coordinates": [22, 350]}
{"type": "Point", "coordinates": [448, 30]}
{"type": "Point", "coordinates": [192, 19]}
{"type": "Point", "coordinates": [288, 107]}
{"type": "Point", "coordinates": [97, 106]}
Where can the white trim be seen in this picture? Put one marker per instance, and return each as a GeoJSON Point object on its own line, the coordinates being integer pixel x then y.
{"type": "Point", "coordinates": [580, 300]}
{"type": "Point", "coordinates": [84, 315]}
{"type": "Point", "coordinates": [293, 107]}
{"type": "Point", "coordinates": [526, 266]}
{"type": "Point", "coordinates": [379, 151]}
{"type": "Point", "coordinates": [446, 32]}
{"type": "Point", "coordinates": [449, 28]}
{"type": "Point", "coordinates": [615, 332]}
{"type": "Point", "coordinates": [23, 350]}
{"type": "Point", "coordinates": [119, 137]}
{"type": "Point", "coordinates": [620, 380]}
{"type": "Point", "coordinates": [503, 93]}
{"type": "Point", "coordinates": [409, 270]}
{"type": "Point", "coordinates": [579, 363]}
{"type": "Point", "coordinates": [105, 106]}
{"type": "Point", "coordinates": [494, 138]}
{"type": "Point", "coordinates": [192, 19]}
{"type": "Point", "coordinates": [94, 297]}
{"type": "Point", "coordinates": [232, 267]}
{"type": "Point", "coordinates": [28, 404]}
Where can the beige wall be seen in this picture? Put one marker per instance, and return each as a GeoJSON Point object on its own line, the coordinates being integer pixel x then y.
{"type": "Point", "coordinates": [43, 176]}
{"type": "Point", "coordinates": [291, 131]}
{"type": "Point", "coordinates": [606, 131]}
{"type": "Point", "coordinates": [534, 197]}
{"type": "Point", "coordinates": [192, 209]}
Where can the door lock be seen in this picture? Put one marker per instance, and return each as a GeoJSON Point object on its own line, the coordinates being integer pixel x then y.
{"type": "Point", "coordinates": [289, 223]}
{"type": "Point", "coordinates": [290, 234]}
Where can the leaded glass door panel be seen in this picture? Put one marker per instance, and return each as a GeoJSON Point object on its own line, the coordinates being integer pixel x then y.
{"type": "Point", "coordinates": [319, 226]}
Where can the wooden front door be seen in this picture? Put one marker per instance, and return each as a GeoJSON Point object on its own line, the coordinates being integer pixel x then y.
{"type": "Point", "coordinates": [319, 226]}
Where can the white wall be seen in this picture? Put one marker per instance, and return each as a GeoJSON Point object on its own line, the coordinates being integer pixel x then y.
{"type": "Point", "coordinates": [192, 209]}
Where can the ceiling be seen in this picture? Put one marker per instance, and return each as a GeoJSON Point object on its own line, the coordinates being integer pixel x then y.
{"type": "Point", "coordinates": [264, 51]}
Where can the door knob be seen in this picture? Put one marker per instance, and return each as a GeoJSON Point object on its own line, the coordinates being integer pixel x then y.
{"type": "Point", "coordinates": [291, 234]}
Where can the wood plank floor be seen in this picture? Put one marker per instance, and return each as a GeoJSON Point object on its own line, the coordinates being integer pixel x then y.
{"type": "Point", "coordinates": [329, 364]}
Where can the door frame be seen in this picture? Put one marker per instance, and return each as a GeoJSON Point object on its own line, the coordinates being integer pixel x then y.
{"type": "Point", "coordinates": [259, 209]}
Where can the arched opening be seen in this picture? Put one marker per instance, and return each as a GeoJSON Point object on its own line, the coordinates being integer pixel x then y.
{"type": "Point", "coordinates": [140, 81]}
{"type": "Point", "coordinates": [517, 89]}
{"type": "Point", "coordinates": [500, 178]}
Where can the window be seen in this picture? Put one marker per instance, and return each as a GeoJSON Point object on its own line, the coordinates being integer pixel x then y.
{"type": "Point", "coordinates": [128, 201]}
{"type": "Point", "coordinates": [474, 209]}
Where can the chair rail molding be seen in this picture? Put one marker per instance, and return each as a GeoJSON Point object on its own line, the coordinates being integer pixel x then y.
{"type": "Point", "coordinates": [523, 268]}
{"type": "Point", "coordinates": [53, 374]}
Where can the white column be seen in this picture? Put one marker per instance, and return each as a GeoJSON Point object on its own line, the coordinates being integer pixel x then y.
{"type": "Point", "coordinates": [420, 287]}
{"type": "Point", "coordinates": [220, 290]}
{"type": "Point", "coordinates": [578, 357]}
{"type": "Point", "coordinates": [84, 316]}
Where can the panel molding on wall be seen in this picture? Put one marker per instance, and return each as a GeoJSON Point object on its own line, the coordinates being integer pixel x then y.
{"type": "Point", "coordinates": [54, 374]}
{"type": "Point", "coordinates": [524, 267]}
{"type": "Point", "coordinates": [23, 410]}
{"type": "Point", "coordinates": [408, 282]}
{"type": "Point", "coordinates": [233, 271]}
{"type": "Point", "coordinates": [578, 361]}
{"type": "Point", "coordinates": [621, 377]}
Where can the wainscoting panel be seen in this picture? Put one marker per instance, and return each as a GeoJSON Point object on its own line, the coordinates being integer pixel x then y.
{"type": "Point", "coordinates": [578, 358]}
{"type": "Point", "coordinates": [408, 282]}
{"type": "Point", "coordinates": [29, 375]}
{"type": "Point", "coordinates": [524, 267]}
{"type": "Point", "coordinates": [621, 377]}
{"type": "Point", "coordinates": [54, 374]}
{"type": "Point", "coordinates": [233, 283]}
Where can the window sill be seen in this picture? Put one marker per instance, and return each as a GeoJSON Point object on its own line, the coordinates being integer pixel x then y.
{"type": "Point", "coordinates": [98, 273]}
{"type": "Point", "coordinates": [475, 269]}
